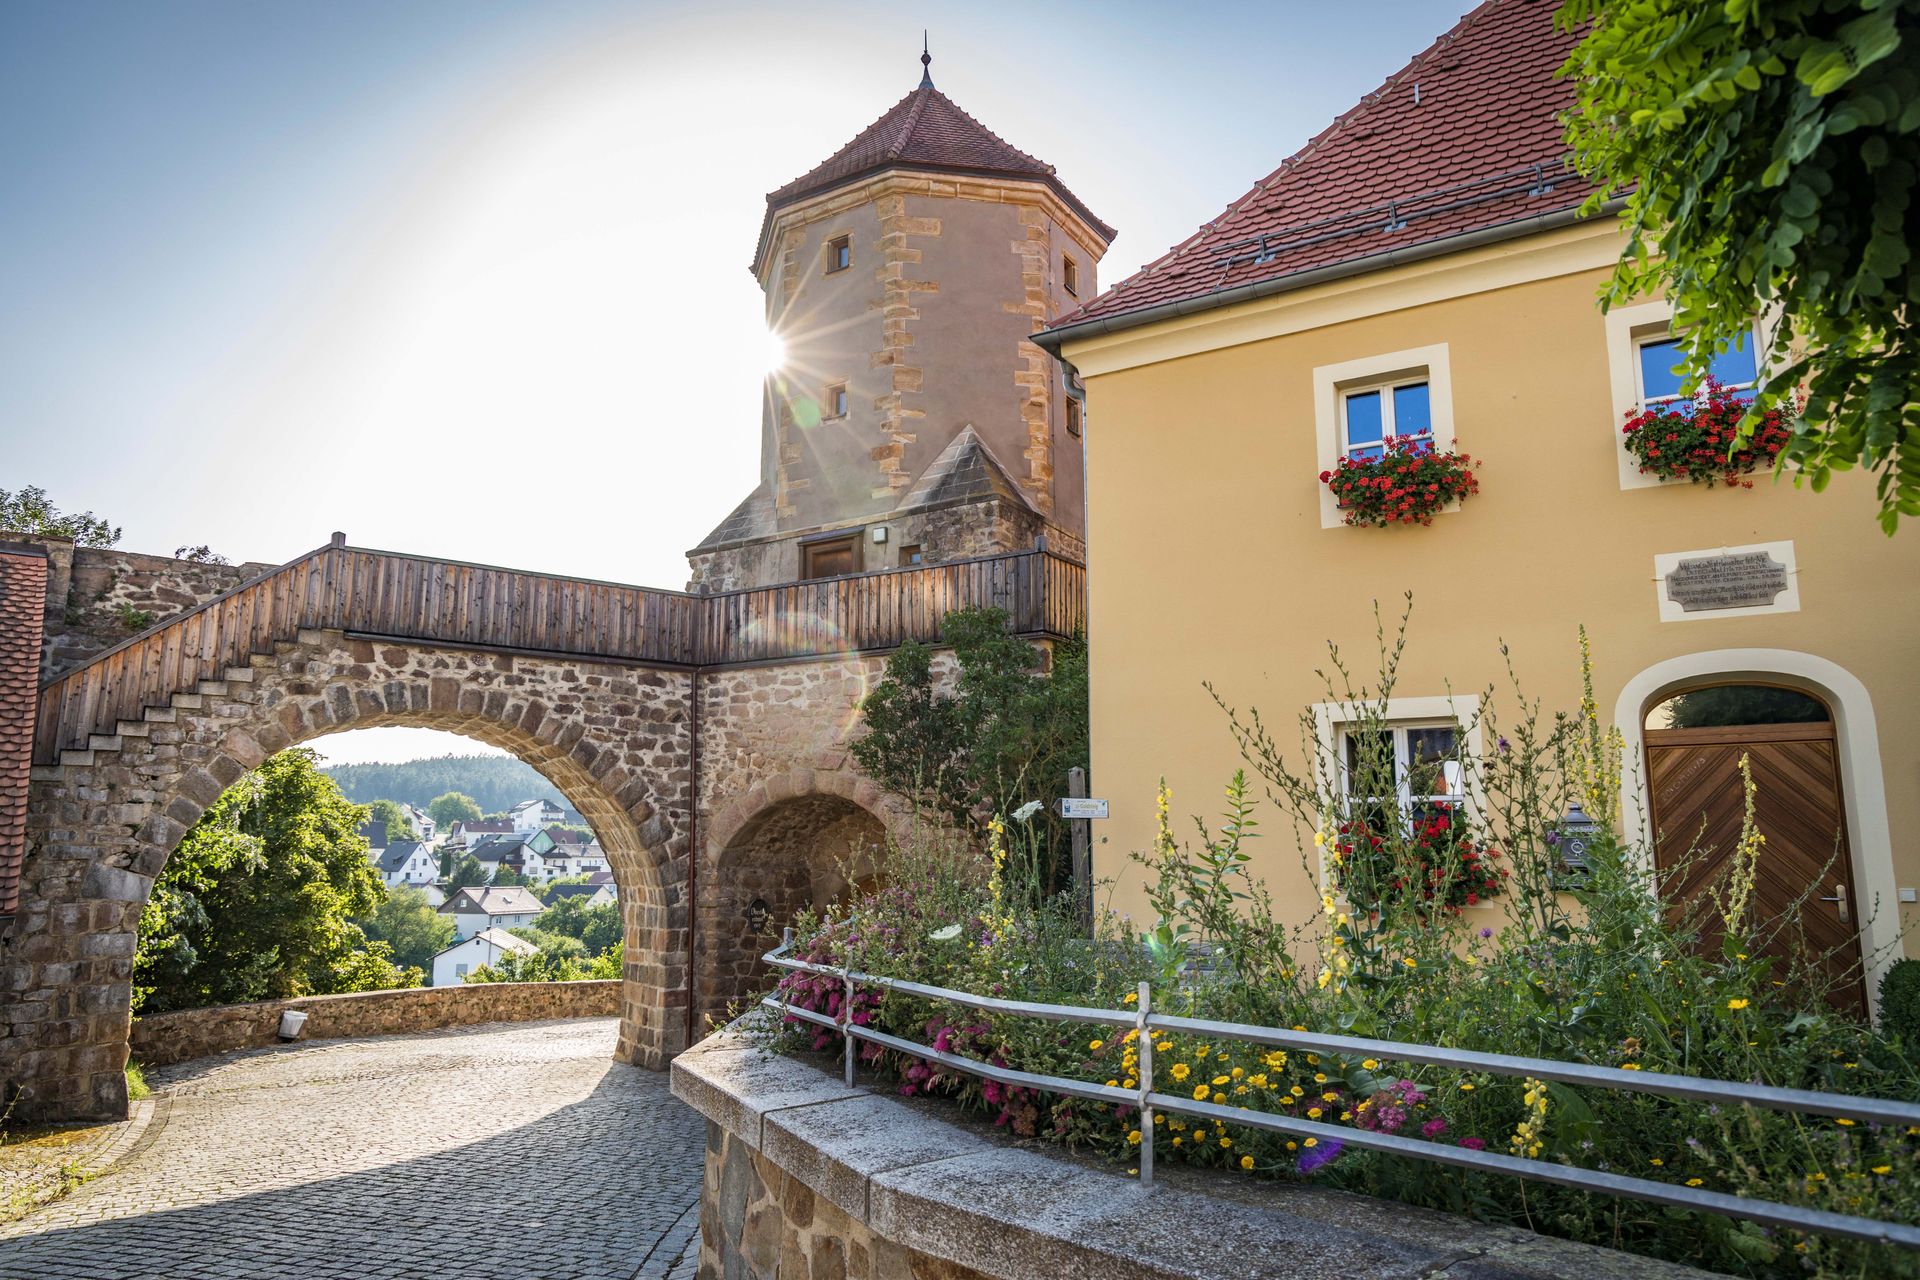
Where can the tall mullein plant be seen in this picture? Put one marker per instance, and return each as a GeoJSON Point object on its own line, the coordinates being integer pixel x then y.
{"type": "Point", "coordinates": [1527, 777]}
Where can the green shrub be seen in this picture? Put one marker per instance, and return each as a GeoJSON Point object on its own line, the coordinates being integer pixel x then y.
{"type": "Point", "coordinates": [1900, 1002]}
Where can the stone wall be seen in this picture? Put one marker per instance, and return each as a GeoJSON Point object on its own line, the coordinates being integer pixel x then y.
{"type": "Point", "coordinates": [811, 1179]}
{"type": "Point", "coordinates": [101, 824]}
{"type": "Point", "coordinates": [199, 1033]}
{"type": "Point", "coordinates": [99, 596]}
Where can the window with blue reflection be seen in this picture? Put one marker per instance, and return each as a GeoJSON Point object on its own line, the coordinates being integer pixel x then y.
{"type": "Point", "coordinates": [1412, 410]}
{"type": "Point", "coordinates": [1660, 381]}
{"type": "Point", "coordinates": [1365, 424]}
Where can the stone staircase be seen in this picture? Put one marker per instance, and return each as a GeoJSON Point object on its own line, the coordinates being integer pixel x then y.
{"type": "Point", "coordinates": [143, 727]}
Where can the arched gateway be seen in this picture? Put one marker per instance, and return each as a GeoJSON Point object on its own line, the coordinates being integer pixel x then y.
{"type": "Point", "coordinates": [670, 721]}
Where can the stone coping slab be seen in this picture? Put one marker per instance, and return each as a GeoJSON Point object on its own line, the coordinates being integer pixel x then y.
{"type": "Point", "coordinates": [934, 1187]}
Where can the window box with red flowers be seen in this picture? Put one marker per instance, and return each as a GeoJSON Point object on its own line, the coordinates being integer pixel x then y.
{"type": "Point", "coordinates": [1435, 858]}
{"type": "Point", "coordinates": [1693, 439]}
{"type": "Point", "coordinates": [1406, 482]}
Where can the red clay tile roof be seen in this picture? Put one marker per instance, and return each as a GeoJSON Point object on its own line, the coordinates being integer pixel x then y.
{"type": "Point", "coordinates": [1456, 142]}
{"type": "Point", "coordinates": [23, 594]}
{"type": "Point", "coordinates": [925, 130]}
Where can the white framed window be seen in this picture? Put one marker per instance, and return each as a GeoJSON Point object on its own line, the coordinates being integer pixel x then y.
{"type": "Point", "coordinates": [1358, 403]}
{"type": "Point", "coordinates": [1641, 353]}
{"type": "Point", "coordinates": [460, 971]}
{"type": "Point", "coordinates": [1400, 408]}
{"type": "Point", "coordinates": [1420, 739]}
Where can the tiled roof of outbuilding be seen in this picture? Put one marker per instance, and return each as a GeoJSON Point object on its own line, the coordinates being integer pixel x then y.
{"type": "Point", "coordinates": [926, 130]}
{"type": "Point", "coordinates": [1465, 138]}
{"type": "Point", "coordinates": [23, 593]}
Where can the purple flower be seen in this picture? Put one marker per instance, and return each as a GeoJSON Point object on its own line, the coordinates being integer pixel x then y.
{"type": "Point", "coordinates": [1474, 1144]}
{"type": "Point", "coordinates": [1433, 1128]}
{"type": "Point", "coordinates": [1318, 1157]}
{"type": "Point", "coordinates": [1505, 746]}
{"type": "Point", "coordinates": [1486, 932]}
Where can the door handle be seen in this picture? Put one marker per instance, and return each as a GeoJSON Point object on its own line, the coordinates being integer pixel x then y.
{"type": "Point", "coordinates": [1839, 899]}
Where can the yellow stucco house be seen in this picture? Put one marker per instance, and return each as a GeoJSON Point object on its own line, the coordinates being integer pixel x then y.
{"type": "Point", "coordinates": [1419, 270]}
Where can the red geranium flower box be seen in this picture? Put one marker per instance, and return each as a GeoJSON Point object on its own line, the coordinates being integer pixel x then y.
{"type": "Point", "coordinates": [1408, 483]}
{"type": "Point", "coordinates": [1696, 439]}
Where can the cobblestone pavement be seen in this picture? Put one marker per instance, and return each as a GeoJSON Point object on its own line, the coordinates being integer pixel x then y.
{"type": "Point", "coordinates": [484, 1153]}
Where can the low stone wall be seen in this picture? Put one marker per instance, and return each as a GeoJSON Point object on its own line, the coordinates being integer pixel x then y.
{"type": "Point", "coordinates": [807, 1179]}
{"type": "Point", "coordinates": [199, 1033]}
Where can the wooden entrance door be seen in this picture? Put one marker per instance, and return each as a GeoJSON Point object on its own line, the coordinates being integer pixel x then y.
{"type": "Point", "coordinates": [1694, 777]}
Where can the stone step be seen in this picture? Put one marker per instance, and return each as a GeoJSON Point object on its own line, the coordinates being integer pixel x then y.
{"type": "Point", "coordinates": [47, 773]}
{"type": "Point", "coordinates": [213, 688]}
{"type": "Point", "coordinates": [188, 701]}
{"type": "Point", "coordinates": [241, 675]}
{"type": "Point", "coordinates": [159, 715]}
{"type": "Point", "coordinates": [76, 758]}
{"type": "Point", "coordinates": [134, 729]}
{"type": "Point", "coordinates": [103, 742]}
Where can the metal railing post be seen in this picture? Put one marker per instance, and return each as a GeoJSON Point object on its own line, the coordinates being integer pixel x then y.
{"type": "Point", "coordinates": [846, 1031]}
{"type": "Point", "coordinates": [1144, 1048]}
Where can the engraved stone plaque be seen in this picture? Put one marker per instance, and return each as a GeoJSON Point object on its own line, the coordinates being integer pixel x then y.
{"type": "Point", "coordinates": [1741, 580]}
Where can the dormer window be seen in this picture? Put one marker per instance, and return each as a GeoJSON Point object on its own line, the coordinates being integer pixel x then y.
{"type": "Point", "coordinates": [1070, 275]}
{"type": "Point", "coordinates": [839, 254]}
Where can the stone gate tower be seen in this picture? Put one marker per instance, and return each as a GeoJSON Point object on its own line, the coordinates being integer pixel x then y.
{"type": "Point", "coordinates": [913, 421]}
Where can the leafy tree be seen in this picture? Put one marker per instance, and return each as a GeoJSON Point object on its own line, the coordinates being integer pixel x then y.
{"type": "Point", "coordinates": [258, 901]}
{"type": "Point", "coordinates": [543, 966]}
{"type": "Point", "coordinates": [202, 554]}
{"type": "Point", "coordinates": [27, 510]}
{"type": "Point", "coordinates": [408, 923]}
{"type": "Point", "coordinates": [373, 969]}
{"type": "Point", "coordinates": [399, 827]}
{"type": "Point", "coordinates": [450, 807]}
{"type": "Point", "coordinates": [506, 875]}
{"type": "Point", "coordinates": [1006, 735]}
{"type": "Point", "coordinates": [599, 928]}
{"type": "Point", "coordinates": [1770, 152]}
{"type": "Point", "coordinates": [464, 871]}
{"type": "Point", "coordinates": [495, 783]}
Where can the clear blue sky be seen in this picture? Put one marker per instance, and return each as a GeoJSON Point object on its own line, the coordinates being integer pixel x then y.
{"type": "Point", "coordinates": [470, 278]}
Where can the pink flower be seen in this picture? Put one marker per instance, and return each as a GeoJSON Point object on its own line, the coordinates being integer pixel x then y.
{"type": "Point", "coordinates": [1474, 1144]}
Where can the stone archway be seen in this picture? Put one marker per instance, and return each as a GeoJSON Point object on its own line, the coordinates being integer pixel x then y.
{"type": "Point", "coordinates": [101, 825]}
{"type": "Point", "coordinates": [805, 839]}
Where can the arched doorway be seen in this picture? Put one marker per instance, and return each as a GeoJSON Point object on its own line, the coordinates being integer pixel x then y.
{"type": "Point", "coordinates": [806, 852]}
{"type": "Point", "coordinates": [1695, 739]}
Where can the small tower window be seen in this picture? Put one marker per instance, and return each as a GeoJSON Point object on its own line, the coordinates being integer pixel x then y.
{"type": "Point", "coordinates": [833, 401]}
{"type": "Point", "coordinates": [1075, 421]}
{"type": "Point", "coordinates": [839, 254]}
{"type": "Point", "coordinates": [1070, 275]}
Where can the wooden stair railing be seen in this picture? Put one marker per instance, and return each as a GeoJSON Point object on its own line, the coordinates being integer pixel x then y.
{"type": "Point", "coordinates": [387, 595]}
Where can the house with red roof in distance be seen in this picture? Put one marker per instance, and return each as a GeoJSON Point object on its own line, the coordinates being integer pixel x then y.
{"type": "Point", "coordinates": [1413, 292]}
{"type": "Point", "coordinates": [913, 421]}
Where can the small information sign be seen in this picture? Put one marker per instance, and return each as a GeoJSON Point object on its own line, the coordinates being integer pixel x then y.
{"type": "Point", "coordinates": [1746, 580]}
{"type": "Point", "coordinates": [1069, 807]}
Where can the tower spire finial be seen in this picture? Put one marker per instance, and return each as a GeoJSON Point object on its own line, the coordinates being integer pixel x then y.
{"type": "Point", "coordinates": [926, 62]}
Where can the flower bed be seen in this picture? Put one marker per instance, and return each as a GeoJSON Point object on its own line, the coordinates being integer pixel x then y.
{"type": "Point", "coordinates": [1699, 440]}
{"type": "Point", "coordinates": [1611, 977]}
{"type": "Point", "coordinates": [1409, 483]}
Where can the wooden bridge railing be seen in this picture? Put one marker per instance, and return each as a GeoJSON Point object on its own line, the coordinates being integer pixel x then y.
{"type": "Point", "coordinates": [415, 598]}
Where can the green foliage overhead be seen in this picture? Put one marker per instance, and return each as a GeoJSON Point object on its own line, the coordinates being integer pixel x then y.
{"type": "Point", "coordinates": [495, 783]}
{"type": "Point", "coordinates": [450, 807]}
{"type": "Point", "coordinates": [1005, 735]}
{"type": "Point", "coordinates": [258, 901]}
{"type": "Point", "coordinates": [1770, 152]}
{"type": "Point", "coordinates": [407, 922]}
{"type": "Point", "coordinates": [464, 872]}
{"type": "Point", "coordinates": [394, 818]}
{"type": "Point", "coordinates": [26, 510]}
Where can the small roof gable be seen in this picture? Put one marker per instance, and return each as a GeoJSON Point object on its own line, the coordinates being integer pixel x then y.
{"type": "Point", "coordinates": [753, 518]}
{"type": "Point", "coordinates": [1464, 138]}
{"type": "Point", "coordinates": [395, 856]}
{"type": "Point", "coordinates": [499, 938]}
{"type": "Point", "coordinates": [965, 471]}
{"type": "Point", "coordinates": [493, 900]}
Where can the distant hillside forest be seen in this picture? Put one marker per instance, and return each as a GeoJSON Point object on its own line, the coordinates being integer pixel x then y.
{"type": "Point", "coordinates": [496, 783]}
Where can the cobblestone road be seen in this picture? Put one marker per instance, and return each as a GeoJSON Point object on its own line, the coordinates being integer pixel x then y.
{"type": "Point", "coordinates": [488, 1153]}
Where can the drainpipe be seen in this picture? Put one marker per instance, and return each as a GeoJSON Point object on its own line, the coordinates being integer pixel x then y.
{"type": "Point", "coordinates": [693, 854]}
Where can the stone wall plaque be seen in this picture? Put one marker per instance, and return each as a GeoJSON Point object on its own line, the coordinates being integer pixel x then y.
{"type": "Point", "coordinates": [1728, 582]}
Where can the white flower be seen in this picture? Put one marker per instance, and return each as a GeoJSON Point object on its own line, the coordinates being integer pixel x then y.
{"type": "Point", "coordinates": [1027, 810]}
{"type": "Point", "coordinates": [947, 934]}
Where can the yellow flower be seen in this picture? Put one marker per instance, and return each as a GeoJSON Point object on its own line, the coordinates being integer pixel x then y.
{"type": "Point", "coordinates": [1883, 1169]}
{"type": "Point", "coordinates": [1629, 1066]}
{"type": "Point", "coordinates": [1371, 1064]}
{"type": "Point", "coordinates": [1313, 1113]}
{"type": "Point", "coordinates": [1132, 997]}
{"type": "Point", "coordinates": [1113, 1084]}
{"type": "Point", "coordinates": [1246, 1162]}
{"type": "Point", "coordinates": [1843, 1121]}
{"type": "Point", "coordinates": [1736, 1004]}
{"type": "Point", "coordinates": [1656, 1161]}
{"type": "Point", "coordinates": [1134, 1137]}
{"type": "Point", "coordinates": [1312, 1142]}
{"type": "Point", "coordinates": [1694, 1182]}
{"type": "Point", "coordinates": [1200, 1094]}
{"type": "Point", "coordinates": [1225, 1142]}
{"type": "Point", "coordinates": [1160, 1119]}
{"type": "Point", "coordinates": [1240, 1071]}
{"type": "Point", "coordinates": [1329, 1097]}
{"type": "Point", "coordinates": [1096, 1045]}
{"type": "Point", "coordinates": [1293, 1146]}
{"type": "Point", "coordinates": [1180, 1071]}
{"type": "Point", "coordinates": [1410, 962]}
{"type": "Point", "coordinates": [1319, 1078]}
{"type": "Point", "coordinates": [1465, 1087]}
{"type": "Point", "coordinates": [1298, 1092]}
{"type": "Point", "coordinates": [1221, 1079]}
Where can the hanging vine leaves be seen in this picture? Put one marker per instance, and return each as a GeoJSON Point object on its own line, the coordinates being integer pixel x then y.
{"type": "Point", "coordinates": [1769, 152]}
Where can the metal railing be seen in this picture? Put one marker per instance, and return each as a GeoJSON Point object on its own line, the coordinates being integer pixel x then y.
{"type": "Point", "coordinates": [1144, 1022]}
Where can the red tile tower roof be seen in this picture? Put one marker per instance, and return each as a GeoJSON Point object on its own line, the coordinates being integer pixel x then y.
{"type": "Point", "coordinates": [23, 594]}
{"type": "Point", "coordinates": [925, 130]}
{"type": "Point", "coordinates": [1466, 138]}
